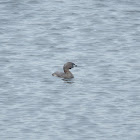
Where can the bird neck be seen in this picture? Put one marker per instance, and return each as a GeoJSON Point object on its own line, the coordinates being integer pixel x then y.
{"type": "Point", "coordinates": [66, 71]}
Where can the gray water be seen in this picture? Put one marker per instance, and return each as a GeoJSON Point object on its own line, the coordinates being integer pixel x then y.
{"type": "Point", "coordinates": [102, 102]}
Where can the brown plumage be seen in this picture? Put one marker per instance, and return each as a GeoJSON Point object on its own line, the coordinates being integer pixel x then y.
{"type": "Point", "coordinates": [66, 74]}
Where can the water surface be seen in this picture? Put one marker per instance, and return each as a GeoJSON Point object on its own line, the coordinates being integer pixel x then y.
{"type": "Point", "coordinates": [102, 102]}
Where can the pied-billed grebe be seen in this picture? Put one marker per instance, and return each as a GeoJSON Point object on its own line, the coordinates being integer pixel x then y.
{"type": "Point", "coordinates": [66, 73]}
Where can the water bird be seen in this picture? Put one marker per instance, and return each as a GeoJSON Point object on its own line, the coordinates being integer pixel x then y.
{"type": "Point", "coordinates": [66, 74]}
